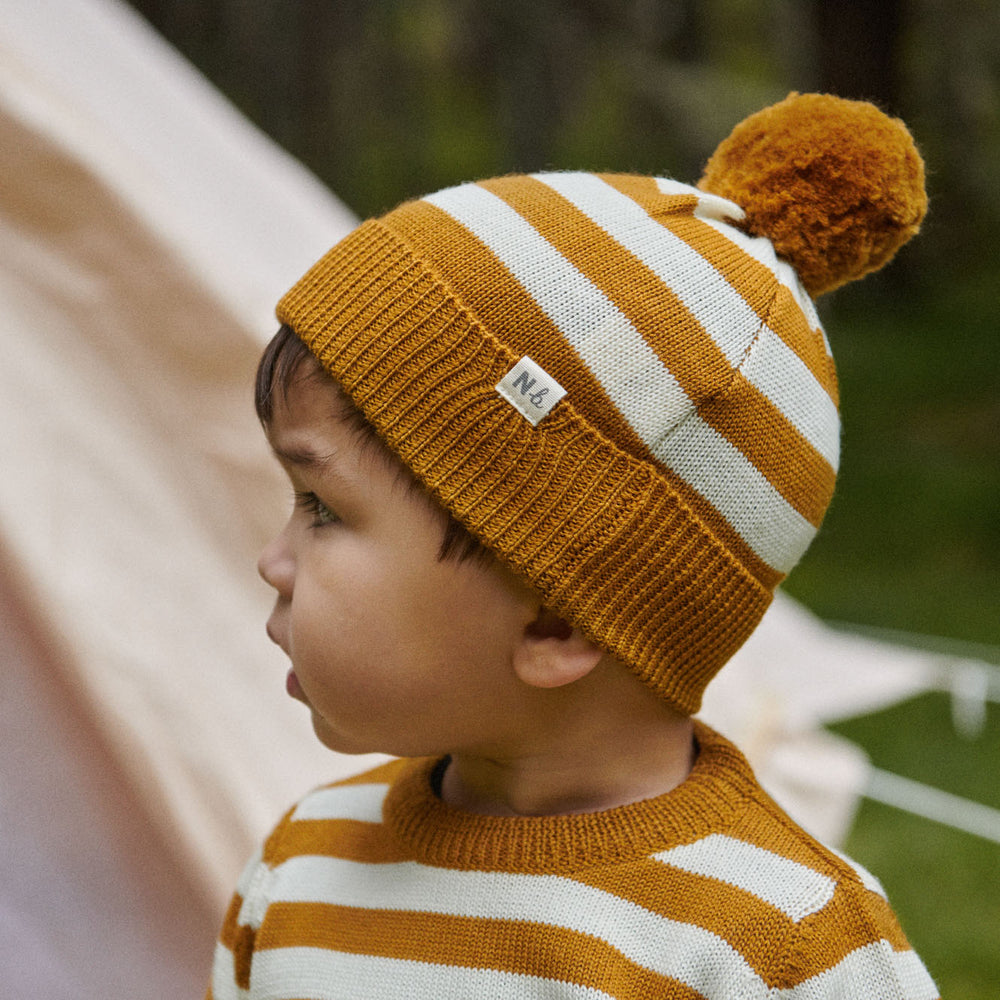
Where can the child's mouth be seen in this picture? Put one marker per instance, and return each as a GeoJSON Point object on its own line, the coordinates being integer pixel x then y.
{"type": "Point", "coordinates": [294, 689]}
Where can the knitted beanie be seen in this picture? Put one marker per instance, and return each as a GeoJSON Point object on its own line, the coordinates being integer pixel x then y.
{"type": "Point", "coordinates": [619, 383]}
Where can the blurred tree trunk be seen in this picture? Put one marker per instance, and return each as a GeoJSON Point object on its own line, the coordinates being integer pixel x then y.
{"type": "Point", "coordinates": [858, 48]}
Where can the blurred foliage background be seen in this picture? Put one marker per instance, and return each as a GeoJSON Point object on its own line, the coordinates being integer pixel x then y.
{"type": "Point", "coordinates": [390, 99]}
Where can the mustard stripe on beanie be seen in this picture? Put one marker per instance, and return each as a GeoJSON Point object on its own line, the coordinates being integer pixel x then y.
{"type": "Point", "coordinates": [619, 383]}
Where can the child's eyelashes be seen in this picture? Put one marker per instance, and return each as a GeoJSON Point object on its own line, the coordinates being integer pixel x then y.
{"type": "Point", "coordinates": [317, 510]}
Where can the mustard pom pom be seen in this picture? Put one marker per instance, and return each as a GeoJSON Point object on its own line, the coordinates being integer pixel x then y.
{"type": "Point", "coordinates": [836, 185]}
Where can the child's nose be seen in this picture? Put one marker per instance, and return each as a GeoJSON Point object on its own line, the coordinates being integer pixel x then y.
{"type": "Point", "coordinates": [276, 565]}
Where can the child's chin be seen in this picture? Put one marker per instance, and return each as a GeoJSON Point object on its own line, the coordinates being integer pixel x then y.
{"type": "Point", "coordinates": [338, 741]}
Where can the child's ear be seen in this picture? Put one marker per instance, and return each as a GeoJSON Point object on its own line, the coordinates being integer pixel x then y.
{"type": "Point", "coordinates": [552, 653]}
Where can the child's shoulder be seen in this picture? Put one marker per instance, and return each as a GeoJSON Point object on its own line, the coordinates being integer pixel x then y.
{"type": "Point", "coordinates": [814, 884]}
{"type": "Point", "coordinates": [817, 911]}
{"type": "Point", "coordinates": [358, 797]}
{"type": "Point", "coordinates": [776, 858]}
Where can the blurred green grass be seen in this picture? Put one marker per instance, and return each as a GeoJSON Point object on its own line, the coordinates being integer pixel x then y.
{"type": "Point", "coordinates": [943, 884]}
{"type": "Point", "coordinates": [912, 539]}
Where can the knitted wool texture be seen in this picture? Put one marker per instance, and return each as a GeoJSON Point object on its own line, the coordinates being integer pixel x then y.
{"type": "Point", "coordinates": [374, 888]}
{"type": "Point", "coordinates": [658, 503]}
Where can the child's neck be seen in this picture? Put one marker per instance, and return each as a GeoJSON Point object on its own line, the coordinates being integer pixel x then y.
{"type": "Point", "coordinates": [599, 745]}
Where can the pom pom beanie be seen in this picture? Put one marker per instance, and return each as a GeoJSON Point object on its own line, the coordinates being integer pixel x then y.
{"type": "Point", "coordinates": [619, 383]}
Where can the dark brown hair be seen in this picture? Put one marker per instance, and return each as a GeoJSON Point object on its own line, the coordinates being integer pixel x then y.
{"type": "Point", "coordinates": [282, 362]}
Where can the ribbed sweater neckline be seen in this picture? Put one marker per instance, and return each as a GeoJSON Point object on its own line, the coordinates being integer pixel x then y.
{"type": "Point", "coordinates": [438, 834]}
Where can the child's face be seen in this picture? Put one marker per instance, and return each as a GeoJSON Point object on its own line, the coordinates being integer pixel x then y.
{"type": "Point", "coordinates": [392, 649]}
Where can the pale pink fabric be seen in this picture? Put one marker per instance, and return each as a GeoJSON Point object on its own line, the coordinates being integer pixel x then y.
{"type": "Point", "coordinates": [145, 739]}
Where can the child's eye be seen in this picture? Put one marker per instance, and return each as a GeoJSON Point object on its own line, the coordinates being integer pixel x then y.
{"type": "Point", "coordinates": [316, 509]}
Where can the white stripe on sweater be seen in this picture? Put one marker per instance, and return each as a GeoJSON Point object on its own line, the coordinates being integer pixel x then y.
{"type": "Point", "coordinates": [795, 889]}
{"type": "Point", "coordinates": [316, 974]}
{"type": "Point", "coordinates": [358, 802]}
{"type": "Point", "coordinates": [671, 948]}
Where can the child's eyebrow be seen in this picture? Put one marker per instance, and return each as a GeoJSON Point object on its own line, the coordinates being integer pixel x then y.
{"type": "Point", "coordinates": [329, 465]}
{"type": "Point", "coordinates": [302, 457]}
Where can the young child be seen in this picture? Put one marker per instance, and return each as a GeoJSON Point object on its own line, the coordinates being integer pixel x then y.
{"type": "Point", "coordinates": [554, 440]}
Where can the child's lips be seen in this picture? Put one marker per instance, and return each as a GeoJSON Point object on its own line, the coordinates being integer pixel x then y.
{"type": "Point", "coordinates": [294, 689]}
{"type": "Point", "coordinates": [292, 685]}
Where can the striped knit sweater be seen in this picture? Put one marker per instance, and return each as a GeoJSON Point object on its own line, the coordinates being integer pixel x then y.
{"type": "Point", "coordinates": [375, 888]}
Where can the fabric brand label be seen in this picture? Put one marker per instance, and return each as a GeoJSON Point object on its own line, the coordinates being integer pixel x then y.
{"type": "Point", "coordinates": [531, 390]}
